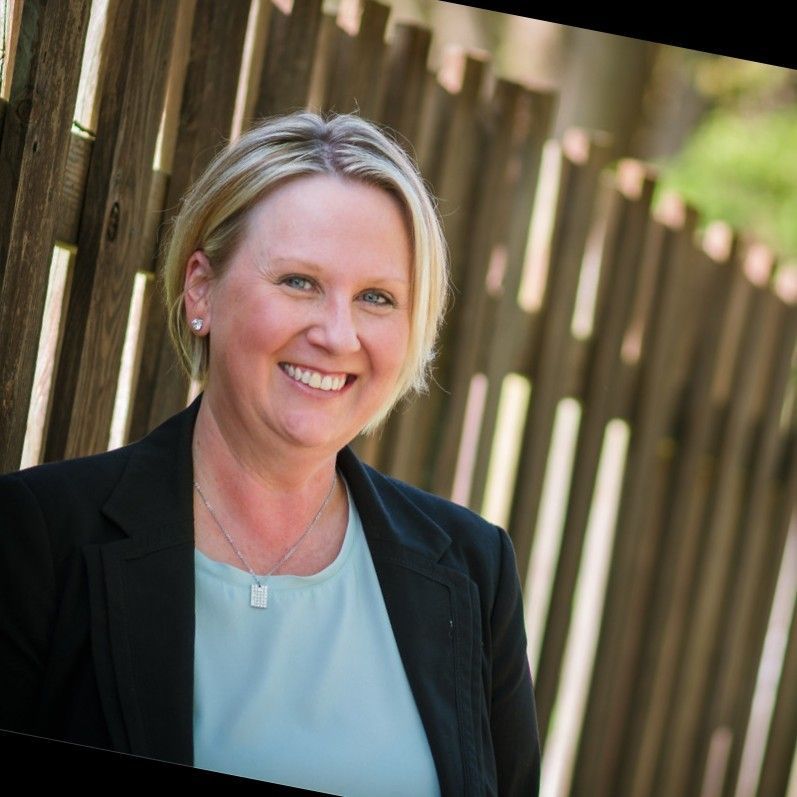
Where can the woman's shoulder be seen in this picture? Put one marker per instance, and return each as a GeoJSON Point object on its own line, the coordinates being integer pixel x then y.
{"type": "Point", "coordinates": [442, 510]}
{"type": "Point", "coordinates": [59, 502]}
{"type": "Point", "coordinates": [413, 512]}
{"type": "Point", "coordinates": [82, 477]}
{"type": "Point", "coordinates": [91, 479]}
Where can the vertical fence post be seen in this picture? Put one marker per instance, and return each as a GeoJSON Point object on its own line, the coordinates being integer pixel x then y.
{"type": "Point", "coordinates": [33, 152]}
{"type": "Point", "coordinates": [110, 246]}
{"type": "Point", "coordinates": [205, 119]}
{"type": "Point", "coordinates": [290, 53]}
{"type": "Point", "coordinates": [583, 160]}
{"type": "Point", "coordinates": [700, 643]}
{"type": "Point", "coordinates": [635, 550]}
{"type": "Point", "coordinates": [678, 559]}
{"type": "Point", "coordinates": [622, 254]}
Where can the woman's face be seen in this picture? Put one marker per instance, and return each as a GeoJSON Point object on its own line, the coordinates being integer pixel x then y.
{"type": "Point", "coordinates": [309, 323]}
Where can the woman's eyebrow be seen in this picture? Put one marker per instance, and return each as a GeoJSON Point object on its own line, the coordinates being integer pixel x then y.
{"type": "Point", "coordinates": [316, 268]}
{"type": "Point", "coordinates": [294, 261]}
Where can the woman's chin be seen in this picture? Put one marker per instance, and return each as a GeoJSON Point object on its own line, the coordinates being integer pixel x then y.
{"type": "Point", "coordinates": [315, 432]}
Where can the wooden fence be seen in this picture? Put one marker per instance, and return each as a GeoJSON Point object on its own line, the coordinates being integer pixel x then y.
{"type": "Point", "coordinates": [683, 353]}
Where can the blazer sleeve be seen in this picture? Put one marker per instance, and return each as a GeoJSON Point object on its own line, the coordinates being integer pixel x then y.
{"type": "Point", "coordinates": [512, 714]}
{"type": "Point", "coordinates": [27, 604]}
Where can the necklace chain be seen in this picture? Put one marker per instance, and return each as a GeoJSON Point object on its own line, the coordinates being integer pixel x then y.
{"type": "Point", "coordinates": [259, 593]}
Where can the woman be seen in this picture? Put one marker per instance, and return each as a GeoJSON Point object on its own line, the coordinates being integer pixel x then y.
{"type": "Point", "coordinates": [237, 591]}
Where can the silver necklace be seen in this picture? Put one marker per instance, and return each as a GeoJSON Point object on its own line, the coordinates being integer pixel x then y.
{"type": "Point", "coordinates": [258, 596]}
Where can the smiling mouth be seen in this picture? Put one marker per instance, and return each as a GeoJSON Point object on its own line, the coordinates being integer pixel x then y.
{"type": "Point", "coordinates": [314, 379]}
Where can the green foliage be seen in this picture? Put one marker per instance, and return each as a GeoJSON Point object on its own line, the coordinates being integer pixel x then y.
{"type": "Point", "coordinates": [742, 168]}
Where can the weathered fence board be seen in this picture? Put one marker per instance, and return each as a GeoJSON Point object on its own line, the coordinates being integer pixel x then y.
{"type": "Point", "coordinates": [582, 162]}
{"type": "Point", "coordinates": [205, 120]}
{"type": "Point", "coordinates": [33, 152]}
{"type": "Point", "coordinates": [405, 81]}
{"type": "Point", "coordinates": [367, 55]}
{"type": "Point", "coordinates": [623, 250]}
{"type": "Point", "coordinates": [12, 17]}
{"type": "Point", "coordinates": [751, 587]}
{"type": "Point", "coordinates": [700, 639]}
{"type": "Point", "coordinates": [288, 63]}
{"type": "Point", "coordinates": [73, 188]}
{"type": "Point", "coordinates": [634, 554]}
{"type": "Point", "coordinates": [678, 560]}
{"type": "Point", "coordinates": [416, 434]}
{"type": "Point", "coordinates": [110, 244]}
{"type": "Point", "coordinates": [782, 741]}
{"type": "Point", "coordinates": [506, 131]}
{"type": "Point", "coordinates": [505, 324]}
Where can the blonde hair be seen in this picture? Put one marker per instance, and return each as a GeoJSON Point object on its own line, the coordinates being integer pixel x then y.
{"type": "Point", "coordinates": [213, 213]}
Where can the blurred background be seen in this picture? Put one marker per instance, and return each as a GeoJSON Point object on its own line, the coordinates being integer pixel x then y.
{"type": "Point", "coordinates": [615, 383]}
{"type": "Point", "coordinates": [723, 128]}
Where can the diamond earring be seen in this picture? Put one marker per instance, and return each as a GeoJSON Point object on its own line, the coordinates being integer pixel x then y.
{"type": "Point", "coordinates": [197, 324]}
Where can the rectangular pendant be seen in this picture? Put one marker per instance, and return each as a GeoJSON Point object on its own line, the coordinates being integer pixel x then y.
{"type": "Point", "coordinates": [258, 597]}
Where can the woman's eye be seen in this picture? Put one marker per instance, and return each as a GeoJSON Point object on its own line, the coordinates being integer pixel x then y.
{"type": "Point", "coordinates": [295, 281]}
{"type": "Point", "coordinates": [377, 298]}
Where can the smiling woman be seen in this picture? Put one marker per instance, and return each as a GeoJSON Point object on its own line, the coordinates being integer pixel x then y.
{"type": "Point", "coordinates": [215, 213]}
{"type": "Point", "coordinates": [239, 592]}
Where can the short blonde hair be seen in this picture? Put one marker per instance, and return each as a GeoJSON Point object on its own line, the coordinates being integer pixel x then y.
{"type": "Point", "coordinates": [213, 213]}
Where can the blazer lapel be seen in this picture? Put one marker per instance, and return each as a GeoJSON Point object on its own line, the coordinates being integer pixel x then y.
{"type": "Point", "coordinates": [434, 614]}
{"type": "Point", "coordinates": [142, 598]}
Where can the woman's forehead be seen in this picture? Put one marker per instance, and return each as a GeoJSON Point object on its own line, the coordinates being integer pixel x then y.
{"type": "Point", "coordinates": [323, 219]}
{"type": "Point", "coordinates": [327, 203]}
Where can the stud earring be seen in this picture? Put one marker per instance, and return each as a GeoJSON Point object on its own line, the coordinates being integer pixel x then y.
{"type": "Point", "coordinates": [197, 324]}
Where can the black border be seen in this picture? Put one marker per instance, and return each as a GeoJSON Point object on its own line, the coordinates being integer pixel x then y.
{"type": "Point", "coordinates": [46, 763]}
{"type": "Point", "coordinates": [759, 34]}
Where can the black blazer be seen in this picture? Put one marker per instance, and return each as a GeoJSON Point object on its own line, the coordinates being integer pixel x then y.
{"type": "Point", "coordinates": [97, 611]}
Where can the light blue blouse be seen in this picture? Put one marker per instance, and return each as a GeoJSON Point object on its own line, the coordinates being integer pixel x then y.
{"type": "Point", "coordinates": [310, 692]}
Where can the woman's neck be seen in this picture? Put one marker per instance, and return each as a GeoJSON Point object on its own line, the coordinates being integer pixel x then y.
{"type": "Point", "coordinates": [232, 450]}
{"type": "Point", "coordinates": [265, 502]}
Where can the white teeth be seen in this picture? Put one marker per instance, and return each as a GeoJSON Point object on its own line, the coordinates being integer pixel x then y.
{"type": "Point", "coordinates": [314, 379]}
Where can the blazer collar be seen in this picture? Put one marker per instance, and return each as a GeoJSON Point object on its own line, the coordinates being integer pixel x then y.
{"type": "Point", "coordinates": [389, 519]}
{"type": "Point", "coordinates": [153, 501]}
{"type": "Point", "coordinates": [143, 605]}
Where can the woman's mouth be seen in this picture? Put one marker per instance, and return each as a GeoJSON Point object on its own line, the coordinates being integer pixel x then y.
{"type": "Point", "coordinates": [315, 379]}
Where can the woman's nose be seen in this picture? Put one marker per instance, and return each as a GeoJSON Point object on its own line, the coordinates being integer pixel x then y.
{"type": "Point", "coordinates": [334, 328]}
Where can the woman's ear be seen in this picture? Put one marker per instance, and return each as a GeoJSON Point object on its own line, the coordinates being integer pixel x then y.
{"type": "Point", "coordinates": [197, 290]}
